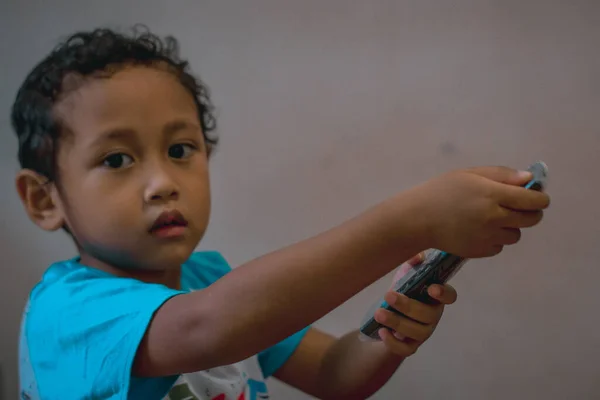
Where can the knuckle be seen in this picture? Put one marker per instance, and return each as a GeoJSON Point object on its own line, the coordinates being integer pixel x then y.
{"type": "Point", "coordinates": [489, 193]}
{"type": "Point", "coordinates": [494, 215]}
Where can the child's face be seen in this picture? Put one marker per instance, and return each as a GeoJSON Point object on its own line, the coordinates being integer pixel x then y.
{"type": "Point", "coordinates": [135, 152]}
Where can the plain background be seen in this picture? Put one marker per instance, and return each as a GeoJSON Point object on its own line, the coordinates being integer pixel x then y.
{"type": "Point", "coordinates": [328, 107]}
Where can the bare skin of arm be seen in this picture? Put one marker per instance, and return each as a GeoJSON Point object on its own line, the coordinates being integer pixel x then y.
{"type": "Point", "coordinates": [348, 368]}
{"type": "Point", "coordinates": [338, 368]}
{"type": "Point", "coordinates": [270, 298]}
{"type": "Point", "coordinates": [265, 301]}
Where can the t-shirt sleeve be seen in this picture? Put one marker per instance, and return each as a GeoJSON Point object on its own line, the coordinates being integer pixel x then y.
{"type": "Point", "coordinates": [274, 357]}
{"type": "Point", "coordinates": [83, 333]}
{"type": "Point", "coordinates": [203, 269]}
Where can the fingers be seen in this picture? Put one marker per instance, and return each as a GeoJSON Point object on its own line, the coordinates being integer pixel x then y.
{"type": "Point", "coordinates": [445, 294]}
{"type": "Point", "coordinates": [521, 219]}
{"type": "Point", "coordinates": [507, 236]}
{"type": "Point", "coordinates": [504, 175]}
{"type": "Point", "coordinates": [519, 198]}
{"type": "Point", "coordinates": [405, 333]}
{"type": "Point", "coordinates": [421, 312]}
{"type": "Point", "coordinates": [405, 327]}
{"type": "Point", "coordinates": [402, 348]}
{"type": "Point", "coordinates": [510, 190]}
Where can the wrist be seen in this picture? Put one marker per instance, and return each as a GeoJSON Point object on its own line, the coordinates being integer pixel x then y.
{"type": "Point", "coordinates": [385, 354]}
{"type": "Point", "coordinates": [408, 221]}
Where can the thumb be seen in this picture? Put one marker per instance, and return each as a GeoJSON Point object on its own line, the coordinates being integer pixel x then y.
{"type": "Point", "coordinates": [504, 175]}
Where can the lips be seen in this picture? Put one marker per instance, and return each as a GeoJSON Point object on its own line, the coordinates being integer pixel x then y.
{"type": "Point", "coordinates": [169, 224]}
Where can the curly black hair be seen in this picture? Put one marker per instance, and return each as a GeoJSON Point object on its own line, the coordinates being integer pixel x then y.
{"type": "Point", "coordinates": [97, 54]}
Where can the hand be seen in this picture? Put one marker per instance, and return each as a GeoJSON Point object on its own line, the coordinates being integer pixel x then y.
{"type": "Point", "coordinates": [406, 335]}
{"type": "Point", "coordinates": [476, 212]}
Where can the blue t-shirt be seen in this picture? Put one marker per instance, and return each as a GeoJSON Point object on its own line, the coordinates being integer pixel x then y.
{"type": "Point", "coordinates": [82, 327]}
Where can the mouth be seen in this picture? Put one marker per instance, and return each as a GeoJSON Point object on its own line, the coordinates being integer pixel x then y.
{"type": "Point", "coordinates": [169, 224]}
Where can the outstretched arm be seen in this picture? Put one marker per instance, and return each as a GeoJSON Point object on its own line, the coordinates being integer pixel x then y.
{"type": "Point", "coordinates": [348, 368]}
{"type": "Point", "coordinates": [472, 213]}
{"type": "Point", "coordinates": [266, 300]}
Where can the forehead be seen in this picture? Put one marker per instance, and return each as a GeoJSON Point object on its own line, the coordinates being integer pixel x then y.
{"type": "Point", "coordinates": [140, 98]}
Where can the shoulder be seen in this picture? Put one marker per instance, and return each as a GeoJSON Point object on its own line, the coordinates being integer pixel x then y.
{"type": "Point", "coordinates": [68, 285]}
{"type": "Point", "coordinates": [203, 268]}
{"type": "Point", "coordinates": [72, 298]}
{"type": "Point", "coordinates": [83, 326]}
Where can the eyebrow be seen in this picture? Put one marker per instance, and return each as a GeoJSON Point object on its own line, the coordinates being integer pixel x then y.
{"type": "Point", "coordinates": [178, 125]}
{"type": "Point", "coordinates": [170, 129]}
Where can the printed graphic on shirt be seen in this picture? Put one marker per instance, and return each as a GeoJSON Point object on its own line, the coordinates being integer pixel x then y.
{"type": "Point", "coordinates": [241, 381]}
{"type": "Point", "coordinates": [255, 390]}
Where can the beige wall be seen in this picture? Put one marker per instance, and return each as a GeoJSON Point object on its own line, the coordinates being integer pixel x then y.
{"type": "Point", "coordinates": [327, 107]}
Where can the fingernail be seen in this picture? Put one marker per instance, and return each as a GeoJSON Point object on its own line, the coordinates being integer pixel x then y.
{"type": "Point", "coordinates": [391, 297]}
{"type": "Point", "coordinates": [524, 174]}
{"type": "Point", "coordinates": [419, 258]}
{"type": "Point", "coordinates": [436, 291]}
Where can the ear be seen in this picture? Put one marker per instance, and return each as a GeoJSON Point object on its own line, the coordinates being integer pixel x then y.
{"type": "Point", "coordinates": [40, 199]}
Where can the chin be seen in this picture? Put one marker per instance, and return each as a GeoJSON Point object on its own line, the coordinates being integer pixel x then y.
{"type": "Point", "coordinates": [170, 258]}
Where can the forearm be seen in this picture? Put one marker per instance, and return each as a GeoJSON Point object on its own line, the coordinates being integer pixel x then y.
{"type": "Point", "coordinates": [353, 369]}
{"type": "Point", "coordinates": [270, 298]}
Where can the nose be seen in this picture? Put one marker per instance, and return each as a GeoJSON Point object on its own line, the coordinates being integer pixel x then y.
{"type": "Point", "coordinates": [160, 187]}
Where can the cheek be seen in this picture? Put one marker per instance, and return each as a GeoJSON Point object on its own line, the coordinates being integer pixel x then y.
{"type": "Point", "coordinates": [197, 195]}
{"type": "Point", "coordinates": [202, 191]}
{"type": "Point", "coordinates": [200, 194]}
{"type": "Point", "coordinates": [94, 215]}
{"type": "Point", "coordinates": [197, 181]}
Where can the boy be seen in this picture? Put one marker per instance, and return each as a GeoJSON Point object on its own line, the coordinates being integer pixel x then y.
{"type": "Point", "coordinates": [114, 139]}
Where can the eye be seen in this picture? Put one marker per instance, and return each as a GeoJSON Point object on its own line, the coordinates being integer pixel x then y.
{"type": "Point", "coordinates": [181, 150]}
{"type": "Point", "coordinates": [117, 160]}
